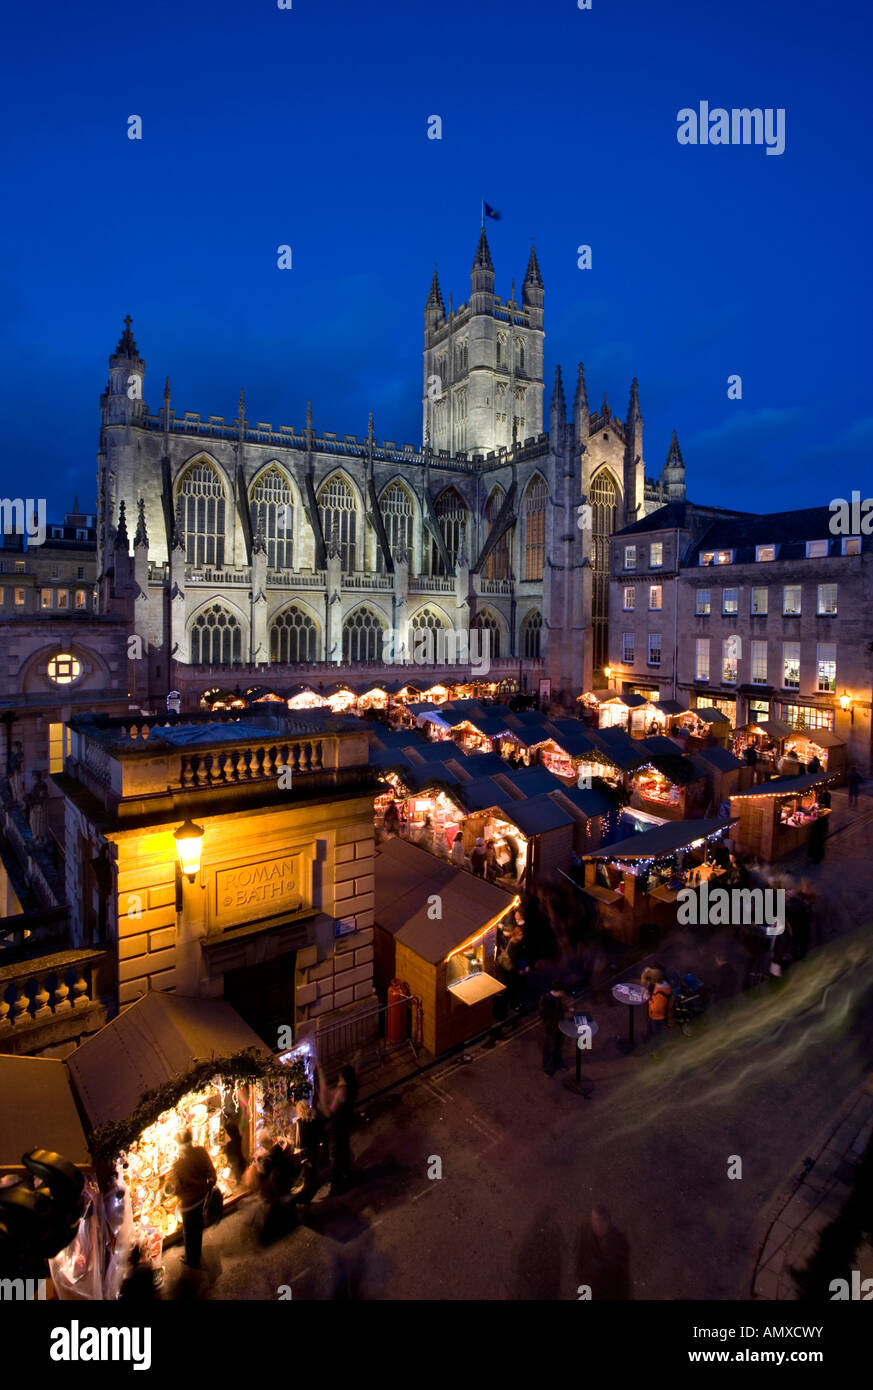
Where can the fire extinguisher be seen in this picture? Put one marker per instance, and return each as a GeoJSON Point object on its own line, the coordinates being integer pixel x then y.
{"type": "Point", "coordinates": [397, 1025]}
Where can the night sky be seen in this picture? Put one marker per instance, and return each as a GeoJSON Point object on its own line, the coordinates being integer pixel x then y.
{"type": "Point", "coordinates": [309, 127]}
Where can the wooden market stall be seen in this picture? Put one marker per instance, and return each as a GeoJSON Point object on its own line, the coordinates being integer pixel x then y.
{"type": "Point", "coordinates": [38, 1109]}
{"type": "Point", "coordinates": [766, 740]}
{"type": "Point", "coordinates": [668, 784]}
{"type": "Point", "coordinates": [628, 712]}
{"type": "Point", "coordinates": [167, 1063]}
{"type": "Point", "coordinates": [809, 744]}
{"type": "Point", "coordinates": [723, 773]}
{"type": "Point", "coordinates": [705, 725]}
{"type": "Point", "coordinates": [436, 931]}
{"type": "Point", "coordinates": [777, 817]}
{"type": "Point", "coordinates": [635, 882]}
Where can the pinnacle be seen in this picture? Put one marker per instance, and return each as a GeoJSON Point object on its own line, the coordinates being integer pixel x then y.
{"type": "Point", "coordinates": [483, 253]}
{"type": "Point", "coordinates": [674, 453]}
{"type": "Point", "coordinates": [126, 343]}
{"type": "Point", "coordinates": [532, 274]}
{"type": "Point", "coordinates": [435, 297]}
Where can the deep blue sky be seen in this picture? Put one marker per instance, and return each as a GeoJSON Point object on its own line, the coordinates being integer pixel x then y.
{"type": "Point", "coordinates": [308, 127]}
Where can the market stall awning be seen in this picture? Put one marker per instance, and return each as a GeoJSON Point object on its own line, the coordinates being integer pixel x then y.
{"type": "Point", "coordinates": [669, 707]}
{"type": "Point", "coordinates": [431, 717]}
{"type": "Point", "coordinates": [776, 728]}
{"type": "Point", "coordinates": [476, 988]}
{"type": "Point", "coordinates": [622, 750]}
{"type": "Point", "coordinates": [39, 1112]}
{"type": "Point", "coordinates": [596, 800]}
{"type": "Point", "coordinates": [537, 815]}
{"type": "Point", "coordinates": [662, 841]}
{"type": "Point", "coordinates": [710, 715]}
{"type": "Point", "coordinates": [151, 1042]}
{"type": "Point", "coordinates": [722, 759]}
{"type": "Point", "coordinates": [677, 769]}
{"type": "Point", "coordinates": [531, 781]}
{"type": "Point", "coordinates": [787, 786]}
{"type": "Point", "coordinates": [407, 877]}
{"type": "Point", "coordinates": [475, 765]}
{"type": "Point", "coordinates": [483, 793]}
{"type": "Point", "coordinates": [822, 738]}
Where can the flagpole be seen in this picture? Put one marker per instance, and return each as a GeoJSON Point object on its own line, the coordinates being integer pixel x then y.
{"type": "Point", "coordinates": [483, 214]}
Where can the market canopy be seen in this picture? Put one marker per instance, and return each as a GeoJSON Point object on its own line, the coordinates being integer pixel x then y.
{"type": "Point", "coordinates": [597, 800]}
{"type": "Point", "coordinates": [153, 1041]}
{"type": "Point", "coordinates": [530, 781]}
{"type": "Point", "coordinates": [710, 715]}
{"type": "Point", "coordinates": [537, 815]}
{"type": "Point", "coordinates": [788, 786]}
{"type": "Point", "coordinates": [669, 707]}
{"type": "Point", "coordinates": [777, 728]}
{"type": "Point", "coordinates": [406, 877]}
{"type": "Point", "coordinates": [39, 1112]}
{"type": "Point", "coordinates": [822, 738]}
{"type": "Point", "coordinates": [663, 841]}
{"type": "Point", "coordinates": [716, 757]}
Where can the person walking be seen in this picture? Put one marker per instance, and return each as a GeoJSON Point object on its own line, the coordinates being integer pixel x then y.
{"type": "Point", "coordinates": [138, 1285]}
{"type": "Point", "coordinates": [853, 782]}
{"type": "Point", "coordinates": [192, 1180]}
{"type": "Point", "coordinates": [512, 964]}
{"type": "Point", "coordinates": [603, 1258]}
{"type": "Point", "coordinates": [477, 858]}
{"type": "Point", "coordinates": [338, 1110]}
{"type": "Point", "coordinates": [492, 868]}
{"type": "Point", "coordinates": [815, 846]}
{"type": "Point", "coordinates": [553, 1006]}
{"type": "Point", "coordinates": [798, 911]}
{"type": "Point", "coordinates": [660, 1008]}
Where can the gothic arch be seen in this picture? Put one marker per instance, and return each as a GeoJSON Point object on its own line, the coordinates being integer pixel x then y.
{"type": "Point", "coordinates": [200, 496]}
{"type": "Point", "coordinates": [401, 524]}
{"type": "Point", "coordinates": [348, 519]}
{"type": "Point", "coordinates": [295, 635]}
{"type": "Point", "coordinates": [534, 506]}
{"type": "Point", "coordinates": [530, 633]}
{"type": "Point", "coordinates": [363, 634]}
{"type": "Point", "coordinates": [605, 502]}
{"type": "Point", "coordinates": [217, 634]}
{"type": "Point", "coordinates": [498, 565]}
{"type": "Point", "coordinates": [274, 503]}
{"type": "Point", "coordinates": [486, 620]}
{"type": "Point", "coordinates": [429, 615]}
{"type": "Point", "coordinates": [453, 514]}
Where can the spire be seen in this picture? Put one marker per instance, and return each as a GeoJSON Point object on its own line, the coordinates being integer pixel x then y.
{"type": "Point", "coordinates": [581, 398]}
{"type": "Point", "coordinates": [532, 274]}
{"type": "Point", "coordinates": [370, 434]}
{"type": "Point", "coordinates": [167, 391]}
{"type": "Point", "coordinates": [633, 409]}
{"type": "Point", "coordinates": [604, 409]}
{"type": "Point", "coordinates": [76, 511]}
{"type": "Point", "coordinates": [121, 537]}
{"type": "Point", "coordinates": [242, 404]}
{"type": "Point", "coordinates": [435, 297]}
{"type": "Point", "coordinates": [126, 344]}
{"type": "Point", "coordinates": [259, 544]}
{"type": "Point", "coordinates": [142, 535]}
{"type": "Point", "coordinates": [558, 402]}
{"type": "Point", "coordinates": [483, 253]}
{"type": "Point", "coordinates": [674, 454]}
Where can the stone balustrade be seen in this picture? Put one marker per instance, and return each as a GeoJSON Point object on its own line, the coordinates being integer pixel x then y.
{"type": "Point", "coordinates": [49, 1000]}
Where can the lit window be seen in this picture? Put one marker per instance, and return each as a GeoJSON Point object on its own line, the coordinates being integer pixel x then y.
{"type": "Point", "coordinates": [81, 601]}
{"type": "Point", "coordinates": [630, 598]}
{"type": "Point", "coordinates": [810, 717]}
{"type": "Point", "coordinates": [627, 648]}
{"type": "Point", "coordinates": [64, 668]}
{"type": "Point", "coordinates": [702, 667]}
{"type": "Point", "coordinates": [724, 557]}
{"type": "Point", "coordinates": [19, 567]}
{"type": "Point", "coordinates": [707, 557]}
{"type": "Point", "coordinates": [630, 557]}
{"type": "Point", "coordinates": [759, 603]}
{"type": "Point", "coordinates": [730, 600]}
{"type": "Point", "coordinates": [19, 597]}
{"type": "Point", "coordinates": [656, 554]}
{"type": "Point", "coordinates": [729, 653]}
{"type": "Point", "coordinates": [827, 599]}
{"type": "Point", "coordinates": [765, 552]}
{"type": "Point", "coordinates": [791, 665]}
{"type": "Point", "coordinates": [759, 663]}
{"type": "Point", "coordinates": [654, 648]}
{"type": "Point", "coordinates": [826, 666]}
{"type": "Point", "coordinates": [654, 596]}
{"type": "Point", "coordinates": [703, 602]}
{"type": "Point", "coordinates": [45, 598]}
{"type": "Point", "coordinates": [63, 596]}
{"type": "Point", "coordinates": [56, 747]}
{"type": "Point", "coordinates": [791, 600]}
{"type": "Point", "coordinates": [851, 545]}
{"type": "Point", "coordinates": [816, 550]}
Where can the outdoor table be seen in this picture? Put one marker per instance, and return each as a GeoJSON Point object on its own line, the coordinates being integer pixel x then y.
{"type": "Point", "coordinates": [633, 996]}
{"type": "Point", "coordinates": [572, 1028]}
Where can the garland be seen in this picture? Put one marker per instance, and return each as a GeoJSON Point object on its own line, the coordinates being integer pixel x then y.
{"type": "Point", "coordinates": [288, 1080]}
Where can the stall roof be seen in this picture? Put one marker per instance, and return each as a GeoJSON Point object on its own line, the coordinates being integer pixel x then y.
{"type": "Point", "coordinates": [490, 724]}
{"type": "Point", "coordinates": [717, 757]}
{"type": "Point", "coordinates": [530, 781]}
{"type": "Point", "coordinates": [537, 814]}
{"type": "Point", "coordinates": [596, 800]}
{"type": "Point", "coordinates": [423, 752]}
{"type": "Point", "coordinates": [629, 700]}
{"type": "Point", "coordinates": [789, 785]}
{"type": "Point", "coordinates": [481, 764]}
{"type": "Point", "coordinates": [662, 746]}
{"type": "Point", "coordinates": [623, 750]}
{"type": "Point", "coordinates": [431, 717]}
{"type": "Point", "coordinates": [663, 840]}
{"type": "Point", "coordinates": [777, 727]}
{"type": "Point", "coordinates": [148, 1044]}
{"type": "Point", "coordinates": [482, 793]}
{"type": "Point", "coordinates": [39, 1111]}
{"type": "Point", "coordinates": [406, 877]}
{"type": "Point", "coordinates": [710, 715]}
{"type": "Point", "coordinates": [823, 738]}
{"type": "Point", "coordinates": [670, 706]}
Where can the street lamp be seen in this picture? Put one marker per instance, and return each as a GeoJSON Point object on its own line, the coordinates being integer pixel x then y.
{"type": "Point", "coordinates": [189, 842]}
{"type": "Point", "coordinates": [846, 704]}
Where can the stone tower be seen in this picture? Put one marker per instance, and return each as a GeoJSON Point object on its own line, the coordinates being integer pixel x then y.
{"type": "Point", "coordinates": [483, 363]}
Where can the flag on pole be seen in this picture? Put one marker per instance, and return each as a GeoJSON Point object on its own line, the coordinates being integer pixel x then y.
{"type": "Point", "coordinates": [489, 211]}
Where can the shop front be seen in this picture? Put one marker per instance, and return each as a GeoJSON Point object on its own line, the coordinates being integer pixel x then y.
{"type": "Point", "coordinates": [779, 816]}
{"type": "Point", "coordinates": [170, 1063]}
{"type": "Point", "coordinates": [636, 882]}
{"type": "Point", "coordinates": [436, 929]}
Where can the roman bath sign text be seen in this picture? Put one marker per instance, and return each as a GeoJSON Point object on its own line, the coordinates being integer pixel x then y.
{"type": "Point", "coordinates": [259, 890]}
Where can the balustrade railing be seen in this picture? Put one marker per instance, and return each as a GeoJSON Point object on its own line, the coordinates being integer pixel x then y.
{"type": "Point", "coordinates": [48, 988]}
{"type": "Point", "coordinates": [238, 765]}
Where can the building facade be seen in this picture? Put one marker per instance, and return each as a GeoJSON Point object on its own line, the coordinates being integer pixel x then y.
{"type": "Point", "coordinates": [255, 545]}
{"type": "Point", "coordinates": [759, 616]}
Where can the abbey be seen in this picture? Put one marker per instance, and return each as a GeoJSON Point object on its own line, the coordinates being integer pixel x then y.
{"type": "Point", "coordinates": [259, 545]}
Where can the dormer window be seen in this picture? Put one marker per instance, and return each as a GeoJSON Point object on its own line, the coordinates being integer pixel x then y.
{"type": "Point", "coordinates": [707, 557]}
{"type": "Point", "coordinates": [765, 552]}
{"type": "Point", "coordinates": [724, 557]}
{"type": "Point", "coordinates": [851, 545]}
{"type": "Point", "coordinates": [816, 550]}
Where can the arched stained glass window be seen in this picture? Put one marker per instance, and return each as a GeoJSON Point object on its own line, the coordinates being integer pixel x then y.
{"type": "Point", "coordinates": [486, 622]}
{"type": "Point", "coordinates": [497, 564]}
{"type": "Point", "coordinates": [531, 636]}
{"type": "Point", "coordinates": [452, 515]}
{"type": "Point", "coordinates": [271, 510]}
{"type": "Point", "coordinates": [216, 637]}
{"type": "Point", "coordinates": [535, 528]}
{"type": "Point", "coordinates": [395, 505]}
{"type": "Point", "coordinates": [363, 633]}
{"type": "Point", "coordinates": [201, 508]}
{"type": "Point", "coordinates": [336, 503]}
{"type": "Point", "coordinates": [604, 502]}
{"type": "Point", "coordinates": [293, 637]}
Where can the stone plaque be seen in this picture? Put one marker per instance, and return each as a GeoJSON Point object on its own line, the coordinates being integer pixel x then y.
{"type": "Point", "coordinates": [263, 889]}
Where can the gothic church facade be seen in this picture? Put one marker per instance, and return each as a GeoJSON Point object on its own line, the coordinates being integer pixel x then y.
{"type": "Point", "coordinates": [255, 545]}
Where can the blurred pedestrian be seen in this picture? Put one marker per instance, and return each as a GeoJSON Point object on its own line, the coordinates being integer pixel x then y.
{"type": "Point", "coordinates": [138, 1285]}
{"type": "Point", "coordinates": [815, 847]}
{"type": "Point", "coordinates": [192, 1179]}
{"type": "Point", "coordinates": [726, 981]}
{"type": "Point", "coordinates": [477, 858]}
{"type": "Point", "coordinates": [603, 1258]}
{"type": "Point", "coordinates": [853, 782]}
{"type": "Point", "coordinates": [338, 1110]}
{"type": "Point", "coordinates": [233, 1150]}
{"type": "Point", "coordinates": [553, 1008]}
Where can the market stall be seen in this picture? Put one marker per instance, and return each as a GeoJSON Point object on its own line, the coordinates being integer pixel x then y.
{"type": "Point", "coordinates": [723, 773]}
{"type": "Point", "coordinates": [340, 698]}
{"type": "Point", "coordinates": [304, 697]}
{"type": "Point", "coordinates": [706, 725]}
{"type": "Point", "coordinates": [635, 882]}
{"type": "Point", "coordinates": [447, 958]}
{"type": "Point", "coordinates": [169, 1063]}
{"type": "Point", "coordinates": [668, 784]}
{"type": "Point", "coordinates": [777, 817]}
{"type": "Point", "coordinates": [821, 744]}
{"type": "Point", "coordinates": [665, 715]}
{"type": "Point", "coordinates": [39, 1112]}
{"type": "Point", "coordinates": [761, 745]}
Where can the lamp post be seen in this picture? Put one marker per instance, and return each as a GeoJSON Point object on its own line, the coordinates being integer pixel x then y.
{"type": "Point", "coordinates": [846, 705]}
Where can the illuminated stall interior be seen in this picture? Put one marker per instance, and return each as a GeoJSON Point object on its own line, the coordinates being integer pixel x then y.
{"type": "Point", "coordinates": [777, 817]}
{"type": "Point", "coordinates": [305, 698]}
{"type": "Point", "coordinates": [821, 744]}
{"type": "Point", "coordinates": [341, 699]}
{"type": "Point", "coordinates": [218, 699]}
